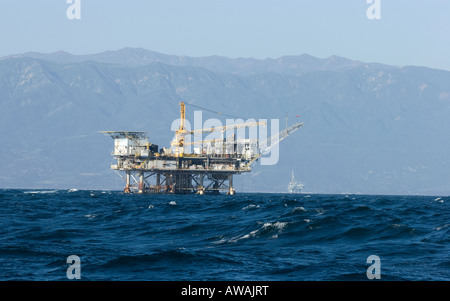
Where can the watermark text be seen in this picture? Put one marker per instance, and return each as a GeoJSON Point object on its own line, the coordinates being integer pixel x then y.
{"type": "Point", "coordinates": [374, 10]}
{"type": "Point", "coordinates": [74, 10]}
{"type": "Point", "coordinates": [74, 269]}
{"type": "Point", "coordinates": [374, 270]}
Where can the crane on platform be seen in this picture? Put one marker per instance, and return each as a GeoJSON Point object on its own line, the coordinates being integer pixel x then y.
{"type": "Point", "coordinates": [178, 142]}
{"type": "Point", "coordinates": [274, 139]}
{"type": "Point", "coordinates": [267, 144]}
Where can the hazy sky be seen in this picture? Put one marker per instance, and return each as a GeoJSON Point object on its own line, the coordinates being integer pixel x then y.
{"type": "Point", "coordinates": [410, 32]}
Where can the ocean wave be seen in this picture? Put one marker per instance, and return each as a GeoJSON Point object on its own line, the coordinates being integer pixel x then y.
{"type": "Point", "coordinates": [40, 191]}
{"type": "Point", "coordinates": [298, 209]}
{"type": "Point", "coordinates": [251, 206]}
{"type": "Point", "coordinates": [167, 259]}
{"type": "Point", "coordinates": [267, 229]}
{"type": "Point", "coordinates": [440, 200]}
{"type": "Point", "coordinates": [442, 227]}
{"type": "Point", "coordinates": [248, 236]}
{"type": "Point", "coordinates": [27, 251]}
{"type": "Point", "coordinates": [395, 231]}
{"type": "Point", "coordinates": [358, 233]}
{"type": "Point", "coordinates": [320, 211]}
{"type": "Point", "coordinates": [90, 216]}
{"type": "Point", "coordinates": [277, 226]}
{"type": "Point", "coordinates": [361, 209]}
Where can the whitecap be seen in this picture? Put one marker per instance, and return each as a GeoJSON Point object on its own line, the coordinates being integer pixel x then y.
{"type": "Point", "coordinates": [250, 206]}
{"type": "Point", "coordinates": [320, 211]}
{"type": "Point", "coordinates": [440, 200]}
{"type": "Point", "coordinates": [266, 226]}
{"type": "Point", "coordinates": [220, 241]}
{"type": "Point", "coordinates": [302, 209]}
{"type": "Point", "coordinates": [151, 206]}
{"type": "Point", "coordinates": [237, 238]}
{"type": "Point", "coordinates": [251, 234]}
{"type": "Point", "coordinates": [443, 227]}
{"type": "Point", "coordinates": [173, 203]}
{"type": "Point", "coordinates": [277, 225]}
{"type": "Point", "coordinates": [41, 191]}
{"type": "Point", "coordinates": [280, 225]}
{"type": "Point", "coordinates": [72, 190]}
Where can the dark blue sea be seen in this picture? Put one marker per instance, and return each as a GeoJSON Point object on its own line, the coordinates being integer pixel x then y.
{"type": "Point", "coordinates": [257, 237]}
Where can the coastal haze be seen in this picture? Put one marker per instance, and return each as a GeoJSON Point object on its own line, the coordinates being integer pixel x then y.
{"type": "Point", "coordinates": [368, 127]}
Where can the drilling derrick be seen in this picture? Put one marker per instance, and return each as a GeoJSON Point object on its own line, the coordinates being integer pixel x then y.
{"type": "Point", "coordinates": [209, 169]}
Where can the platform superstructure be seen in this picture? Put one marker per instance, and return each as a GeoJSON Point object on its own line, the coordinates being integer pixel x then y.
{"type": "Point", "coordinates": [295, 186]}
{"type": "Point", "coordinates": [146, 168]}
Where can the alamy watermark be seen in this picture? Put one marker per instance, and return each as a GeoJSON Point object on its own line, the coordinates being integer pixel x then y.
{"type": "Point", "coordinates": [74, 269]}
{"type": "Point", "coordinates": [74, 10]}
{"type": "Point", "coordinates": [374, 270]}
{"type": "Point", "coordinates": [249, 138]}
{"type": "Point", "coordinates": [374, 10]}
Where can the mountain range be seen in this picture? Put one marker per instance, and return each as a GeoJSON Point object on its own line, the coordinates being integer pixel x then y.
{"type": "Point", "coordinates": [368, 127]}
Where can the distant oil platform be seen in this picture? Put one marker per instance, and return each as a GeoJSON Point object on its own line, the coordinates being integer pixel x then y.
{"type": "Point", "coordinates": [209, 169]}
{"type": "Point", "coordinates": [295, 186]}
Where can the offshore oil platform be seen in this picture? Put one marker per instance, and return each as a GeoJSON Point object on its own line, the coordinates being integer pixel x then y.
{"type": "Point", "coordinates": [295, 186]}
{"type": "Point", "coordinates": [209, 169]}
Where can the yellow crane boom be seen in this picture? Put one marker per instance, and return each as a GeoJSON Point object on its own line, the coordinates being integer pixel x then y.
{"type": "Point", "coordinates": [178, 141]}
{"type": "Point", "coordinates": [227, 127]}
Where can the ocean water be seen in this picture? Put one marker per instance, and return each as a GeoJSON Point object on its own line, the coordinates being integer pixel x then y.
{"type": "Point", "coordinates": [257, 237]}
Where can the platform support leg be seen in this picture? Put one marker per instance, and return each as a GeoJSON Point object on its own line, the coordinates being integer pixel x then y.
{"type": "Point", "coordinates": [141, 182]}
{"type": "Point", "coordinates": [201, 188]}
{"type": "Point", "coordinates": [127, 184]}
{"type": "Point", "coordinates": [231, 190]}
{"type": "Point", "coordinates": [158, 182]}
